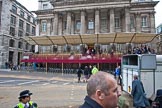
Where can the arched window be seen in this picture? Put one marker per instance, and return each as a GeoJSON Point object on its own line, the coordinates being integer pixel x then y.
{"type": "Point", "coordinates": [12, 43]}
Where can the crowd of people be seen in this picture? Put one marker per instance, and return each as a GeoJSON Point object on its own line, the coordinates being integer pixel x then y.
{"type": "Point", "coordinates": [143, 49]}
{"type": "Point", "coordinates": [87, 71]}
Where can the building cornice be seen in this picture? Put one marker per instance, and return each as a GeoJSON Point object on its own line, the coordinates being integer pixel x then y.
{"type": "Point", "coordinates": [45, 17]}
{"type": "Point", "coordinates": [40, 12]}
{"type": "Point", "coordinates": [56, 3]}
{"type": "Point", "coordinates": [142, 10]}
{"type": "Point", "coordinates": [92, 6]}
{"type": "Point", "coordinates": [144, 4]}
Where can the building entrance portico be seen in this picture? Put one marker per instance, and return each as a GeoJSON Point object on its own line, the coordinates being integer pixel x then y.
{"type": "Point", "coordinates": [93, 21]}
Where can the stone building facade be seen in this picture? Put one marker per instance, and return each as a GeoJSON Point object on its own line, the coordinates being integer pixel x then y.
{"type": "Point", "coordinates": [65, 17]}
{"type": "Point", "coordinates": [159, 31]}
{"type": "Point", "coordinates": [15, 22]}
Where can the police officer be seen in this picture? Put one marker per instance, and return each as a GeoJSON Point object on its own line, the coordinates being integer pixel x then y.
{"type": "Point", "coordinates": [24, 100]}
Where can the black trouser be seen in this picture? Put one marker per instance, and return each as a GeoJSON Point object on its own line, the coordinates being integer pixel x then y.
{"type": "Point", "coordinates": [78, 79]}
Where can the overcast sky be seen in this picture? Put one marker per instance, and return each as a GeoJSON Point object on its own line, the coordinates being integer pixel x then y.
{"type": "Point", "coordinates": [32, 5]}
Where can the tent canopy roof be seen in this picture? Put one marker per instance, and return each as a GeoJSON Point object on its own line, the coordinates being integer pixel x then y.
{"type": "Point", "coordinates": [105, 38]}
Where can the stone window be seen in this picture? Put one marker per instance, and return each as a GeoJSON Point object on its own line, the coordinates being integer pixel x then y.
{"type": "Point", "coordinates": [160, 29]}
{"type": "Point", "coordinates": [27, 27]}
{"type": "Point", "coordinates": [21, 24]}
{"type": "Point", "coordinates": [44, 26]}
{"type": "Point", "coordinates": [103, 25]}
{"type": "Point", "coordinates": [27, 46]}
{"type": "Point", "coordinates": [33, 48]}
{"type": "Point", "coordinates": [12, 31]}
{"type": "Point", "coordinates": [117, 22]}
{"type": "Point", "coordinates": [20, 45]}
{"type": "Point", "coordinates": [65, 23]}
{"type": "Point", "coordinates": [33, 30]}
{"type": "Point", "coordinates": [103, 22]}
{"type": "Point", "coordinates": [28, 18]}
{"type": "Point", "coordinates": [132, 22]}
{"type": "Point", "coordinates": [90, 24]}
{"type": "Point", "coordinates": [20, 33]}
{"type": "Point", "coordinates": [14, 9]}
{"type": "Point", "coordinates": [144, 22]}
{"type": "Point", "coordinates": [13, 20]}
{"type": "Point", "coordinates": [22, 13]}
{"type": "Point", "coordinates": [78, 25]}
{"type": "Point", "coordinates": [45, 6]}
{"type": "Point", "coordinates": [12, 43]}
{"type": "Point", "coordinates": [33, 20]}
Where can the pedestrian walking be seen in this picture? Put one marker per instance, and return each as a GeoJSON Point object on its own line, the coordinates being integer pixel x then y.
{"type": "Point", "coordinates": [138, 93]}
{"type": "Point", "coordinates": [25, 100]}
{"type": "Point", "coordinates": [86, 73]}
{"type": "Point", "coordinates": [79, 73]}
{"type": "Point", "coordinates": [102, 90]}
{"type": "Point", "coordinates": [118, 74]}
{"type": "Point", "coordinates": [90, 71]}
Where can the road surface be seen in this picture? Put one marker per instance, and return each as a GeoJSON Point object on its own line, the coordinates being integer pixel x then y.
{"type": "Point", "coordinates": [49, 90]}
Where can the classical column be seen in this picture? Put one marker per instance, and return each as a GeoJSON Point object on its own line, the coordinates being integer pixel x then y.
{"type": "Point", "coordinates": [38, 27]}
{"type": "Point", "coordinates": [60, 26]}
{"type": "Point", "coordinates": [152, 22]}
{"type": "Point", "coordinates": [127, 20]}
{"type": "Point", "coordinates": [68, 24]}
{"type": "Point", "coordinates": [55, 24]}
{"type": "Point", "coordinates": [72, 24]}
{"type": "Point", "coordinates": [97, 21]}
{"type": "Point", "coordinates": [82, 29]}
{"type": "Point", "coordinates": [48, 27]}
{"type": "Point", "coordinates": [17, 26]}
{"type": "Point", "coordinates": [138, 22]}
{"type": "Point", "coordinates": [112, 22]}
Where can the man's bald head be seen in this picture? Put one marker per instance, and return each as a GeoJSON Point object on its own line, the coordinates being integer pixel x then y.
{"type": "Point", "coordinates": [99, 81]}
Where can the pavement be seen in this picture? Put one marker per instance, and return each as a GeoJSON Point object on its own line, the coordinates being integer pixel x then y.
{"type": "Point", "coordinates": [68, 95]}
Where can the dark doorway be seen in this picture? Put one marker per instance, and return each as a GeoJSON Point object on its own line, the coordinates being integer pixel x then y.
{"type": "Point", "coordinates": [11, 53]}
{"type": "Point", "coordinates": [19, 57]}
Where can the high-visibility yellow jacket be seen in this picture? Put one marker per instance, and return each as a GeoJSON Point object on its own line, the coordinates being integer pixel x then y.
{"type": "Point", "coordinates": [94, 70]}
{"type": "Point", "coordinates": [31, 105]}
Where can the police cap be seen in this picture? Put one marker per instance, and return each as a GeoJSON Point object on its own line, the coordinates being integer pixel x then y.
{"type": "Point", "coordinates": [25, 93]}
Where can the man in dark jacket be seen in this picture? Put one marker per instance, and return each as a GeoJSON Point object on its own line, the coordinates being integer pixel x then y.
{"type": "Point", "coordinates": [102, 90]}
{"type": "Point", "coordinates": [79, 73]}
{"type": "Point", "coordinates": [138, 93]}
